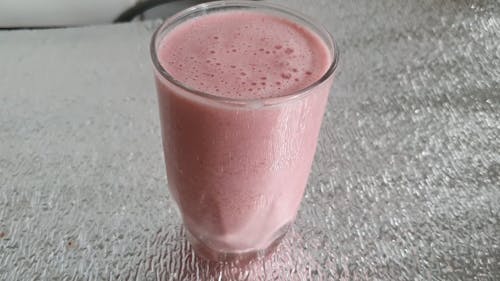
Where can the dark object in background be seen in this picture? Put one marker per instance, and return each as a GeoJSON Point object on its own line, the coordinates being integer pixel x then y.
{"type": "Point", "coordinates": [156, 9]}
{"type": "Point", "coordinates": [143, 7]}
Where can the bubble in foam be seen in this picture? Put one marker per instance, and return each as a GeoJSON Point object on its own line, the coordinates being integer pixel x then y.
{"type": "Point", "coordinates": [243, 74]}
{"type": "Point", "coordinates": [277, 47]}
{"type": "Point", "coordinates": [286, 75]}
{"type": "Point", "coordinates": [216, 37]}
{"type": "Point", "coordinates": [308, 72]}
{"type": "Point", "coordinates": [294, 69]}
{"type": "Point", "coordinates": [263, 78]}
{"type": "Point", "coordinates": [288, 51]}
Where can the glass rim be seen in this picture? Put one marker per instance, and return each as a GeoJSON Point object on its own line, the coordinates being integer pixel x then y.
{"type": "Point", "coordinates": [179, 17]}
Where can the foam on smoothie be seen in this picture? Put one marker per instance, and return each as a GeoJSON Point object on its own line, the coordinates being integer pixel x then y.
{"type": "Point", "coordinates": [244, 54]}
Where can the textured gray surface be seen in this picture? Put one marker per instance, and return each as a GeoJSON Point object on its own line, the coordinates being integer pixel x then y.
{"type": "Point", "coordinates": [405, 185]}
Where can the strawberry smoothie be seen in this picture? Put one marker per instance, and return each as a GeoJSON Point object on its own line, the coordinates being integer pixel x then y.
{"type": "Point", "coordinates": [239, 130]}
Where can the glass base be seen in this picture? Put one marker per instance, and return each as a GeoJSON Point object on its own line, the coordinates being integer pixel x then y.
{"type": "Point", "coordinates": [235, 257]}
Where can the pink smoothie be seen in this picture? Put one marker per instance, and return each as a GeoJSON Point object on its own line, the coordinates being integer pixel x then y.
{"type": "Point", "coordinates": [238, 173]}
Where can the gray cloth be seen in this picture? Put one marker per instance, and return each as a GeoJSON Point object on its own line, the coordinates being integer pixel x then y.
{"type": "Point", "coordinates": [405, 185]}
